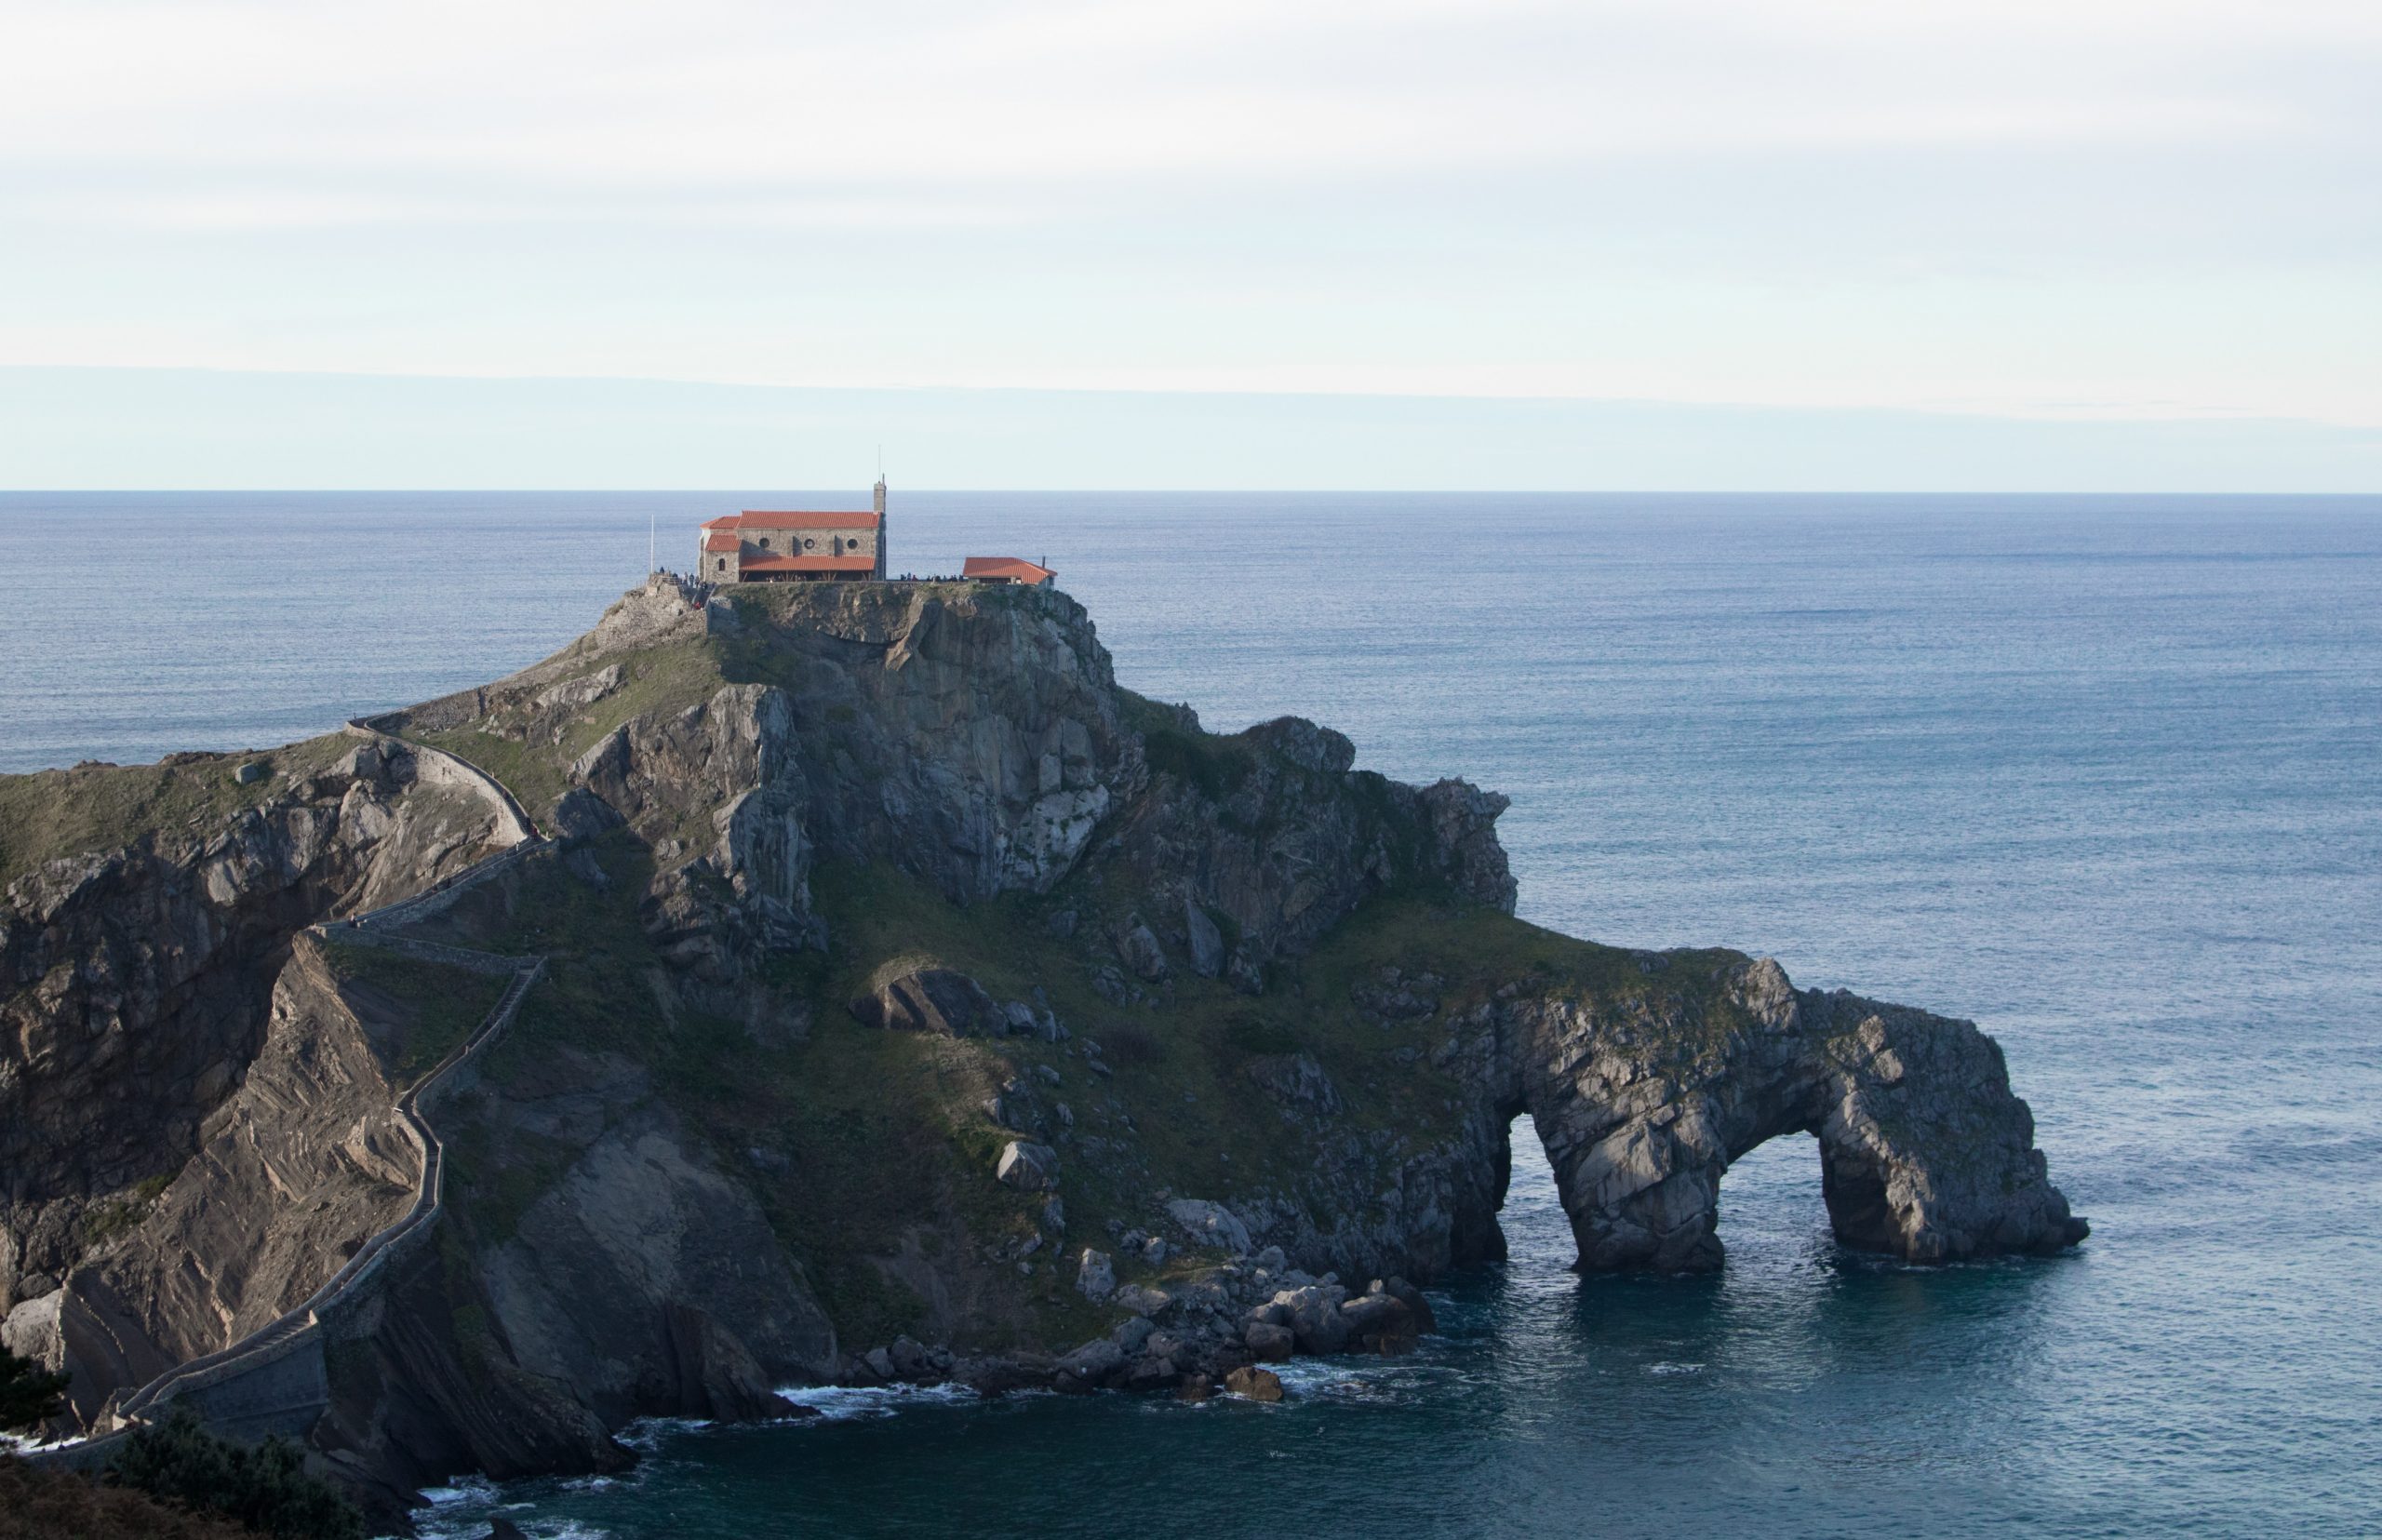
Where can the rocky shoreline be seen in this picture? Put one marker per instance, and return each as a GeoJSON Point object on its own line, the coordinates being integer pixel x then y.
{"type": "Point", "coordinates": [1209, 1333]}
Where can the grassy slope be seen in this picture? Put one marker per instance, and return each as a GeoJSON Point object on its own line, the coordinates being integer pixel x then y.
{"type": "Point", "coordinates": [675, 675]}
{"type": "Point", "coordinates": [54, 813]}
{"type": "Point", "coordinates": [434, 1006]}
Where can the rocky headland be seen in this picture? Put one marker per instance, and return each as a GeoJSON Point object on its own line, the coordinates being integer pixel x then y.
{"type": "Point", "coordinates": [915, 1004]}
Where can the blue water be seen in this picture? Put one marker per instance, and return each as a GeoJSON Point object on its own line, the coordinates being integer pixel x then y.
{"type": "Point", "coordinates": [2105, 774]}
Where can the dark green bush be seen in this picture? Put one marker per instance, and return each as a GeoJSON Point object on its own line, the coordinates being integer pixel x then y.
{"type": "Point", "coordinates": [28, 1393]}
{"type": "Point", "coordinates": [65, 1505]}
{"type": "Point", "coordinates": [263, 1487]}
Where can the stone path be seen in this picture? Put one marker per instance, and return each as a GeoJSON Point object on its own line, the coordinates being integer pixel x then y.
{"type": "Point", "coordinates": [274, 1377]}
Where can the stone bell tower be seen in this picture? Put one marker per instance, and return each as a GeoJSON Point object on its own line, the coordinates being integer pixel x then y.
{"type": "Point", "coordinates": [880, 525]}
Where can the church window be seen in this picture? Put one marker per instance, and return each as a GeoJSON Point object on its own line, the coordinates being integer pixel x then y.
{"type": "Point", "coordinates": [722, 566]}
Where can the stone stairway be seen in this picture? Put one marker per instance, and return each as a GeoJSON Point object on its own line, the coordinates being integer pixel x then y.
{"type": "Point", "coordinates": [274, 1380]}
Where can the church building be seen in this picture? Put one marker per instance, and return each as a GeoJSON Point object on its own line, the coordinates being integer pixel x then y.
{"type": "Point", "coordinates": [765, 546]}
{"type": "Point", "coordinates": [762, 545]}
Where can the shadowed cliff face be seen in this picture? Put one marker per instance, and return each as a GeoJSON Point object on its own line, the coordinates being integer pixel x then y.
{"type": "Point", "coordinates": [136, 983]}
{"type": "Point", "coordinates": [306, 1160]}
{"type": "Point", "coordinates": [901, 965]}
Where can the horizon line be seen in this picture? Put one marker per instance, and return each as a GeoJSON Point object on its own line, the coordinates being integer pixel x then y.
{"type": "Point", "coordinates": [103, 428]}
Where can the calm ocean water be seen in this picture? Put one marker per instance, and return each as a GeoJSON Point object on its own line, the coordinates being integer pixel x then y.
{"type": "Point", "coordinates": [2105, 774]}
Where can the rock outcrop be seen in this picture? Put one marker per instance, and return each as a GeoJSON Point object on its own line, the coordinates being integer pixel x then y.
{"type": "Point", "coordinates": [1642, 1110]}
{"type": "Point", "coordinates": [910, 989]}
{"type": "Point", "coordinates": [305, 1162]}
{"type": "Point", "coordinates": [136, 983]}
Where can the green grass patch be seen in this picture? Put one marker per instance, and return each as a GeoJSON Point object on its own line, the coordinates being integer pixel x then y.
{"type": "Point", "coordinates": [1216, 764]}
{"type": "Point", "coordinates": [54, 813]}
{"type": "Point", "coordinates": [499, 1184]}
{"type": "Point", "coordinates": [105, 1221]}
{"type": "Point", "coordinates": [533, 762]}
{"type": "Point", "coordinates": [530, 771]}
{"type": "Point", "coordinates": [432, 1007]}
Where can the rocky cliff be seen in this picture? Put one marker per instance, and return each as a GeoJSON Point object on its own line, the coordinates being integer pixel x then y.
{"type": "Point", "coordinates": [919, 1003]}
{"type": "Point", "coordinates": [137, 979]}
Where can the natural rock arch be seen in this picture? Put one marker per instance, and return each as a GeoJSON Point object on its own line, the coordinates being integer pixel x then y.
{"type": "Point", "coordinates": [1924, 1152]}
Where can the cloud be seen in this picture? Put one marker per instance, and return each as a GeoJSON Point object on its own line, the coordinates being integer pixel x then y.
{"type": "Point", "coordinates": [2016, 205]}
{"type": "Point", "coordinates": [754, 100]}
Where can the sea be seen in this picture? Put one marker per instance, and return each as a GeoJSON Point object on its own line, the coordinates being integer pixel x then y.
{"type": "Point", "coordinates": [2103, 774]}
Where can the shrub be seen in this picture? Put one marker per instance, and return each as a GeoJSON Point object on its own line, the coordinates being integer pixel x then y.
{"type": "Point", "coordinates": [1130, 1044]}
{"type": "Point", "coordinates": [1254, 1036]}
{"type": "Point", "coordinates": [29, 1393]}
{"type": "Point", "coordinates": [264, 1488]}
{"type": "Point", "coordinates": [64, 1505]}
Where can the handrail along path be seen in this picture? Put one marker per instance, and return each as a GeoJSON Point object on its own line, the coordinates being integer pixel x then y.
{"type": "Point", "coordinates": [302, 1324]}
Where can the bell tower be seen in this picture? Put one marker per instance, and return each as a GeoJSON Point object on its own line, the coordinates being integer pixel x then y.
{"type": "Point", "coordinates": [880, 525]}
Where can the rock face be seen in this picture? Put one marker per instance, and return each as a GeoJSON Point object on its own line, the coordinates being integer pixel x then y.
{"type": "Point", "coordinates": [1642, 1103]}
{"type": "Point", "coordinates": [305, 1162]}
{"type": "Point", "coordinates": [1270, 832]}
{"type": "Point", "coordinates": [1028, 1168]}
{"type": "Point", "coordinates": [1933, 1166]}
{"type": "Point", "coordinates": [732, 761]}
{"type": "Point", "coordinates": [797, 1095]}
{"type": "Point", "coordinates": [136, 983]}
{"type": "Point", "coordinates": [933, 1000]}
{"type": "Point", "coordinates": [976, 740]}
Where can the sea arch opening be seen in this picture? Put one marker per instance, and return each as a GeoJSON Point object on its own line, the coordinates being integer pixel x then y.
{"type": "Point", "coordinates": [1672, 1193]}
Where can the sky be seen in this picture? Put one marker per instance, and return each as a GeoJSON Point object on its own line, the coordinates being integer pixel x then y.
{"type": "Point", "coordinates": [1812, 241]}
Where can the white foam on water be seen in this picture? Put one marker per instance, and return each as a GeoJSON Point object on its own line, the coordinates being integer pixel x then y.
{"type": "Point", "coordinates": [461, 1510]}
{"type": "Point", "coordinates": [462, 1489]}
{"type": "Point", "coordinates": [458, 1510]}
{"type": "Point", "coordinates": [1674, 1369]}
{"type": "Point", "coordinates": [18, 1444]}
{"type": "Point", "coordinates": [838, 1404]}
{"type": "Point", "coordinates": [645, 1434]}
{"type": "Point", "coordinates": [1358, 1379]}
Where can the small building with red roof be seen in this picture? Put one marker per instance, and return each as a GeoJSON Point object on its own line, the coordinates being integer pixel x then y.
{"type": "Point", "coordinates": [1016, 570]}
{"type": "Point", "coordinates": [785, 545]}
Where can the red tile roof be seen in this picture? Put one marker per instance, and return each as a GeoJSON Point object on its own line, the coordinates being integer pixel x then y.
{"type": "Point", "coordinates": [720, 542]}
{"type": "Point", "coordinates": [1008, 569]}
{"type": "Point", "coordinates": [726, 521]}
{"type": "Point", "coordinates": [750, 519]}
{"type": "Point", "coordinates": [809, 564]}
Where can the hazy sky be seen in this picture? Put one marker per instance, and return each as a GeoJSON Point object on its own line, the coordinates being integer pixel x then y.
{"type": "Point", "coordinates": [2095, 209]}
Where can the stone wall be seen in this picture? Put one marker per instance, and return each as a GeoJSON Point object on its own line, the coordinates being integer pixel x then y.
{"type": "Point", "coordinates": [438, 768]}
{"type": "Point", "coordinates": [815, 543]}
{"type": "Point", "coordinates": [275, 1380]}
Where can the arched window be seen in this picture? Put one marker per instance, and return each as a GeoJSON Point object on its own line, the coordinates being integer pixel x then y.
{"type": "Point", "coordinates": [723, 565]}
